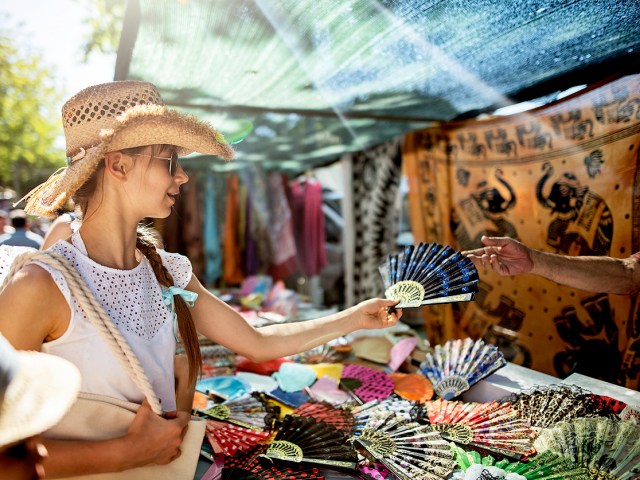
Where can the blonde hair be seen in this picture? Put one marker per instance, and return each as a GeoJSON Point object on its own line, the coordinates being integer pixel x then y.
{"type": "Point", "coordinates": [147, 242]}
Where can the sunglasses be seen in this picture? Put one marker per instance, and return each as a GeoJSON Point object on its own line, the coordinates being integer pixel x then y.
{"type": "Point", "coordinates": [173, 160]}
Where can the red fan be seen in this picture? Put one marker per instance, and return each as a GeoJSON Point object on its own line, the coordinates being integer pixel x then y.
{"type": "Point", "coordinates": [246, 465]}
{"type": "Point", "coordinates": [228, 439]}
{"type": "Point", "coordinates": [303, 439]}
{"type": "Point", "coordinates": [366, 383]}
{"type": "Point", "coordinates": [341, 419]}
{"type": "Point", "coordinates": [491, 426]}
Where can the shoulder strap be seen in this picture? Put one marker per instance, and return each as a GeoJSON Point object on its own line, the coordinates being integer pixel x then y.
{"type": "Point", "coordinates": [96, 314]}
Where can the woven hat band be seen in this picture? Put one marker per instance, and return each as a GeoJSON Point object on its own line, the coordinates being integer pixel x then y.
{"type": "Point", "coordinates": [96, 108]}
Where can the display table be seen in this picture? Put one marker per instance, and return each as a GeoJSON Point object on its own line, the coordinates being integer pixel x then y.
{"type": "Point", "coordinates": [515, 378]}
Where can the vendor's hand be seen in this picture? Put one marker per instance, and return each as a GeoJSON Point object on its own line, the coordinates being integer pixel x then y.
{"type": "Point", "coordinates": [375, 313]}
{"type": "Point", "coordinates": [153, 439]}
{"type": "Point", "coordinates": [503, 255]}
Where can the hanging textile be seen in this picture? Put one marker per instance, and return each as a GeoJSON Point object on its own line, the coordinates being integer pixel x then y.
{"type": "Point", "coordinates": [279, 229]}
{"type": "Point", "coordinates": [373, 213]}
{"type": "Point", "coordinates": [564, 178]}
{"type": "Point", "coordinates": [212, 251]}
{"type": "Point", "coordinates": [232, 260]}
{"type": "Point", "coordinates": [308, 221]}
{"type": "Point", "coordinates": [258, 251]}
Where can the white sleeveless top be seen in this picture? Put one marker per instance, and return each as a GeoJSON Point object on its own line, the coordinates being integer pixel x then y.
{"type": "Point", "coordinates": [133, 301]}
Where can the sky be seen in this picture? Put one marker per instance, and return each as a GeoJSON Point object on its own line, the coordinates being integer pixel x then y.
{"type": "Point", "coordinates": [54, 28]}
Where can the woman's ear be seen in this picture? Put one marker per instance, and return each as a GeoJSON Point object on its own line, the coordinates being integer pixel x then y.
{"type": "Point", "coordinates": [117, 164]}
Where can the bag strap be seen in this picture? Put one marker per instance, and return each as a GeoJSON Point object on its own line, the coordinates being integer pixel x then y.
{"type": "Point", "coordinates": [95, 313]}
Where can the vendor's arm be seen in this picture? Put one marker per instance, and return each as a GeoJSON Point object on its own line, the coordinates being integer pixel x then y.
{"type": "Point", "coordinates": [594, 274]}
{"type": "Point", "coordinates": [32, 311]}
{"type": "Point", "coordinates": [219, 322]}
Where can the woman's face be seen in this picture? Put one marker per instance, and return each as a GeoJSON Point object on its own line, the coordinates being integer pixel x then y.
{"type": "Point", "coordinates": [23, 460]}
{"type": "Point", "coordinates": [156, 179]}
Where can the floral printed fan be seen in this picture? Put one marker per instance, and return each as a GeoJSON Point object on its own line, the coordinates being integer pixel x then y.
{"type": "Point", "coordinates": [608, 448]}
{"type": "Point", "coordinates": [429, 273]}
{"type": "Point", "coordinates": [339, 418]}
{"type": "Point", "coordinates": [491, 426]}
{"type": "Point", "coordinates": [247, 465]}
{"type": "Point", "coordinates": [545, 466]}
{"type": "Point", "coordinates": [366, 383]}
{"type": "Point", "coordinates": [303, 439]}
{"type": "Point", "coordinates": [409, 450]}
{"type": "Point", "coordinates": [458, 364]}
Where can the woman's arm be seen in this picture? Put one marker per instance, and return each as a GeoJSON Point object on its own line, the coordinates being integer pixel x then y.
{"type": "Point", "coordinates": [32, 311]}
{"type": "Point", "coordinates": [219, 322]}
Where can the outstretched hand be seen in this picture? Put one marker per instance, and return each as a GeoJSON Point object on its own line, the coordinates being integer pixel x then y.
{"type": "Point", "coordinates": [375, 313]}
{"type": "Point", "coordinates": [503, 255]}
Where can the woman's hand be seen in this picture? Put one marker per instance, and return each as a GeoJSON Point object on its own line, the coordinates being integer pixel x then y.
{"type": "Point", "coordinates": [374, 313]}
{"type": "Point", "coordinates": [155, 440]}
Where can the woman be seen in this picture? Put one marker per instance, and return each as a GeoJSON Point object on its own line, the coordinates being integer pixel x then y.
{"type": "Point", "coordinates": [123, 146]}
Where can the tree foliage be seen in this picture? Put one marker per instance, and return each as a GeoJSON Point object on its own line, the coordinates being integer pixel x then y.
{"type": "Point", "coordinates": [29, 120]}
{"type": "Point", "coordinates": [104, 20]}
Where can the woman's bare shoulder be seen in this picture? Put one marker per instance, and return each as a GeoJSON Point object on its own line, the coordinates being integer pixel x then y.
{"type": "Point", "coordinates": [32, 308]}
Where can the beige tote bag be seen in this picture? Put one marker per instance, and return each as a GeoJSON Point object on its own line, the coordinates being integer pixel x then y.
{"type": "Point", "coordinates": [98, 417]}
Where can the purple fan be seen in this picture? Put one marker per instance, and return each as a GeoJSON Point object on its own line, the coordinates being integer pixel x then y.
{"type": "Point", "coordinates": [368, 384]}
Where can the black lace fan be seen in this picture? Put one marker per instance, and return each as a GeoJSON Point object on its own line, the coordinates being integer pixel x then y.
{"type": "Point", "coordinates": [303, 439]}
{"type": "Point", "coordinates": [429, 273]}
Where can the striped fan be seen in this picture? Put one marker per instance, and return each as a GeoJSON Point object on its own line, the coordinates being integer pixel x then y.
{"type": "Point", "coordinates": [409, 450]}
{"type": "Point", "coordinates": [245, 411]}
{"type": "Point", "coordinates": [610, 449]}
{"type": "Point", "coordinates": [545, 466]}
{"type": "Point", "coordinates": [458, 364]}
{"type": "Point", "coordinates": [339, 418]}
{"type": "Point", "coordinates": [246, 465]}
{"type": "Point", "coordinates": [303, 439]}
{"type": "Point", "coordinates": [491, 426]}
{"type": "Point", "coordinates": [228, 439]}
{"type": "Point", "coordinates": [429, 273]}
{"type": "Point", "coordinates": [368, 384]}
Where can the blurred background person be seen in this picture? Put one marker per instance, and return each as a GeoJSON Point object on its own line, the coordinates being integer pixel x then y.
{"type": "Point", "coordinates": [22, 236]}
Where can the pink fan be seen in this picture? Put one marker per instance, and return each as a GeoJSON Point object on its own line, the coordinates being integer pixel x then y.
{"type": "Point", "coordinates": [228, 439]}
{"type": "Point", "coordinates": [366, 383]}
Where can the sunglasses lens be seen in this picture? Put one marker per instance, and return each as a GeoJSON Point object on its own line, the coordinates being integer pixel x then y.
{"type": "Point", "coordinates": [173, 164]}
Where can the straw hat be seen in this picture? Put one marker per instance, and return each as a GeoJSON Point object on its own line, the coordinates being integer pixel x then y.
{"type": "Point", "coordinates": [114, 116]}
{"type": "Point", "coordinates": [36, 391]}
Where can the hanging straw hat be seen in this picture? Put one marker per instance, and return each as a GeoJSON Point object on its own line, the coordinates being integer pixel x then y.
{"type": "Point", "coordinates": [36, 391]}
{"type": "Point", "coordinates": [114, 116]}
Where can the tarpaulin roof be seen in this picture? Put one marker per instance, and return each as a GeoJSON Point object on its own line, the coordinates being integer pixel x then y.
{"type": "Point", "coordinates": [312, 79]}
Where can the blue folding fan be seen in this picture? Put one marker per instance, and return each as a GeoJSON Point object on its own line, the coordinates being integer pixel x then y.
{"type": "Point", "coordinates": [429, 273]}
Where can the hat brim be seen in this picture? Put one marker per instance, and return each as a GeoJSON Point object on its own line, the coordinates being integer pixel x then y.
{"type": "Point", "coordinates": [41, 393]}
{"type": "Point", "coordinates": [139, 126]}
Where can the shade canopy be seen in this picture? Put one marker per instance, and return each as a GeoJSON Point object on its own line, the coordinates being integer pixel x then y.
{"type": "Point", "coordinates": [303, 81]}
